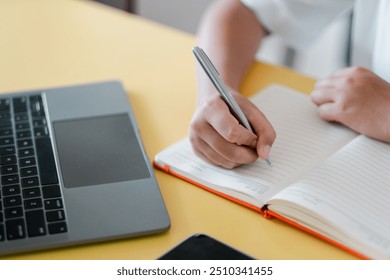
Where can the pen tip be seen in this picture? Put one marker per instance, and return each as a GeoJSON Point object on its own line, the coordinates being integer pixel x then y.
{"type": "Point", "coordinates": [269, 162]}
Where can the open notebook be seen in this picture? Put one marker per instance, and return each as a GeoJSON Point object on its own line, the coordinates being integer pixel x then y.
{"type": "Point", "coordinates": [325, 179]}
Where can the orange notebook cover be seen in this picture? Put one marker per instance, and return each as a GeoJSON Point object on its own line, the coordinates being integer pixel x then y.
{"type": "Point", "coordinates": [268, 214]}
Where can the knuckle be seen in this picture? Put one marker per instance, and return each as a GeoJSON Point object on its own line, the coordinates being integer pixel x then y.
{"type": "Point", "coordinates": [272, 135]}
{"type": "Point", "coordinates": [358, 70]}
{"type": "Point", "coordinates": [349, 81]}
{"type": "Point", "coordinates": [341, 105]}
{"type": "Point", "coordinates": [212, 103]}
{"type": "Point", "coordinates": [354, 74]}
{"type": "Point", "coordinates": [353, 70]}
{"type": "Point", "coordinates": [232, 134]}
{"type": "Point", "coordinates": [195, 126]}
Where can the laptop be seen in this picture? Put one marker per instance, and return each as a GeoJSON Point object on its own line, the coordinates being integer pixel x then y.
{"type": "Point", "coordinates": [73, 169]}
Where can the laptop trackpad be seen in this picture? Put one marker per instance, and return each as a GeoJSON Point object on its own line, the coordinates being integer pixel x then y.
{"type": "Point", "coordinates": [99, 150]}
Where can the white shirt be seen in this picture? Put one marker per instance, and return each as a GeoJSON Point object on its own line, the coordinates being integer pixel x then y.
{"type": "Point", "coordinates": [299, 22]}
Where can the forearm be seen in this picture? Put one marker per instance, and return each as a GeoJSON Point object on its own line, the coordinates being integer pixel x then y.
{"type": "Point", "coordinates": [230, 34]}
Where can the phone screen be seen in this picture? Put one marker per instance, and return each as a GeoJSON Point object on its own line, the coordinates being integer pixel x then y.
{"type": "Point", "coordinates": [203, 247]}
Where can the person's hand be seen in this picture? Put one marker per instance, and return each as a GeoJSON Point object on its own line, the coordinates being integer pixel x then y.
{"type": "Point", "coordinates": [217, 137]}
{"type": "Point", "coordinates": [357, 98]}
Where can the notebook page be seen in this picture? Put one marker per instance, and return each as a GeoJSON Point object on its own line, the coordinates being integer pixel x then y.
{"type": "Point", "coordinates": [303, 141]}
{"type": "Point", "coordinates": [351, 190]}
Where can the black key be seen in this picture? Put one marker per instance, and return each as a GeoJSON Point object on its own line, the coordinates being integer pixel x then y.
{"type": "Point", "coordinates": [32, 203]}
{"type": "Point", "coordinates": [30, 182]}
{"type": "Point", "coordinates": [5, 124]}
{"type": "Point", "coordinates": [59, 227]}
{"type": "Point", "coordinates": [14, 212]}
{"type": "Point", "coordinates": [39, 122]}
{"type": "Point", "coordinates": [31, 192]}
{"type": "Point", "coordinates": [9, 159]}
{"type": "Point", "coordinates": [15, 229]}
{"type": "Point", "coordinates": [5, 132]}
{"type": "Point", "coordinates": [10, 179]}
{"type": "Point", "coordinates": [36, 98]}
{"type": "Point", "coordinates": [5, 104]}
{"type": "Point", "coordinates": [5, 116]}
{"type": "Point", "coordinates": [9, 169]}
{"type": "Point", "coordinates": [41, 131]}
{"type": "Point", "coordinates": [12, 201]}
{"type": "Point", "coordinates": [36, 103]}
{"type": "Point", "coordinates": [25, 143]}
{"type": "Point", "coordinates": [51, 191]}
{"type": "Point", "coordinates": [54, 216]}
{"type": "Point", "coordinates": [20, 104]}
{"type": "Point", "coordinates": [35, 223]}
{"type": "Point", "coordinates": [28, 152]}
{"type": "Point", "coordinates": [8, 150]}
{"type": "Point", "coordinates": [24, 162]}
{"type": "Point", "coordinates": [28, 171]}
{"type": "Point", "coordinates": [52, 204]}
{"type": "Point", "coordinates": [22, 126]}
{"type": "Point", "coordinates": [2, 232]}
{"type": "Point", "coordinates": [21, 118]}
{"type": "Point", "coordinates": [38, 115]}
{"type": "Point", "coordinates": [46, 163]}
{"type": "Point", "coordinates": [23, 134]}
{"type": "Point", "coordinates": [6, 141]}
{"type": "Point", "coordinates": [11, 190]}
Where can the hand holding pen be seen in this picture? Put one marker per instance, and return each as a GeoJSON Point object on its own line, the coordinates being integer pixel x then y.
{"type": "Point", "coordinates": [221, 133]}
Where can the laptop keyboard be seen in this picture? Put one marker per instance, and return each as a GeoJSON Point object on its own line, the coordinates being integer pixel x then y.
{"type": "Point", "coordinates": [30, 196]}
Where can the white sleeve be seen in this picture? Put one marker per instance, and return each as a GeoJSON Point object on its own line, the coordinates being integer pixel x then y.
{"type": "Point", "coordinates": [297, 22]}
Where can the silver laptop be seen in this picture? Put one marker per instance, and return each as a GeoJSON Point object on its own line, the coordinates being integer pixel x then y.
{"type": "Point", "coordinates": [73, 169]}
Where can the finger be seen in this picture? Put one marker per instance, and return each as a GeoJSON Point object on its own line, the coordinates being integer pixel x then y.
{"type": "Point", "coordinates": [231, 130]}
{"type": "Point", "coordinates": [324, 83]}
{"type": "Point", "coordinates": [264, 131]}
{"type": "Point", "coordinates": [321, 96]}
{"type": "Point", "coordinates": [229, 151]}
{"type": "Point", "coordinates": [328, 111]}
{"type": "Point", "coordinates": [204, 151]}
{"type": "Point", "coordinates": [267, 136]}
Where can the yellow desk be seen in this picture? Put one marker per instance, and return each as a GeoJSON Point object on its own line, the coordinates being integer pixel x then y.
{"type": "Point", "coordinates": [45, 43]}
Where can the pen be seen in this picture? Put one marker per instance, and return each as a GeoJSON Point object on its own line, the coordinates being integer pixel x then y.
{"type": "Point", "coordinates": [225, 94]}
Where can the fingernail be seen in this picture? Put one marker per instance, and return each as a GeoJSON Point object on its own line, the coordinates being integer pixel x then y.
{"type": "Point", "coordinates": [266, 151]}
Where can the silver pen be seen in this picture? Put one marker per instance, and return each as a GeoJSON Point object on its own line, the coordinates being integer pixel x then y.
{"type": "Point", "coordinates": [225, 94]}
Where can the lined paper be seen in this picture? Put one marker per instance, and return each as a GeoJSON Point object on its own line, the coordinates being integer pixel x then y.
{"type": "Point", "coordinates": [351, 190]}
{"type": "Point", "coordinates": [303, 139]}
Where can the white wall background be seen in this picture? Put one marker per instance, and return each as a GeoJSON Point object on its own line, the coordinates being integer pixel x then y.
{"type": "Point", "coordinates": [182, 14]}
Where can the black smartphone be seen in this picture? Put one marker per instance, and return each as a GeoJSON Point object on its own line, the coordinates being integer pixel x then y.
{"type": "Point", "coordinates": [203, 247]}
